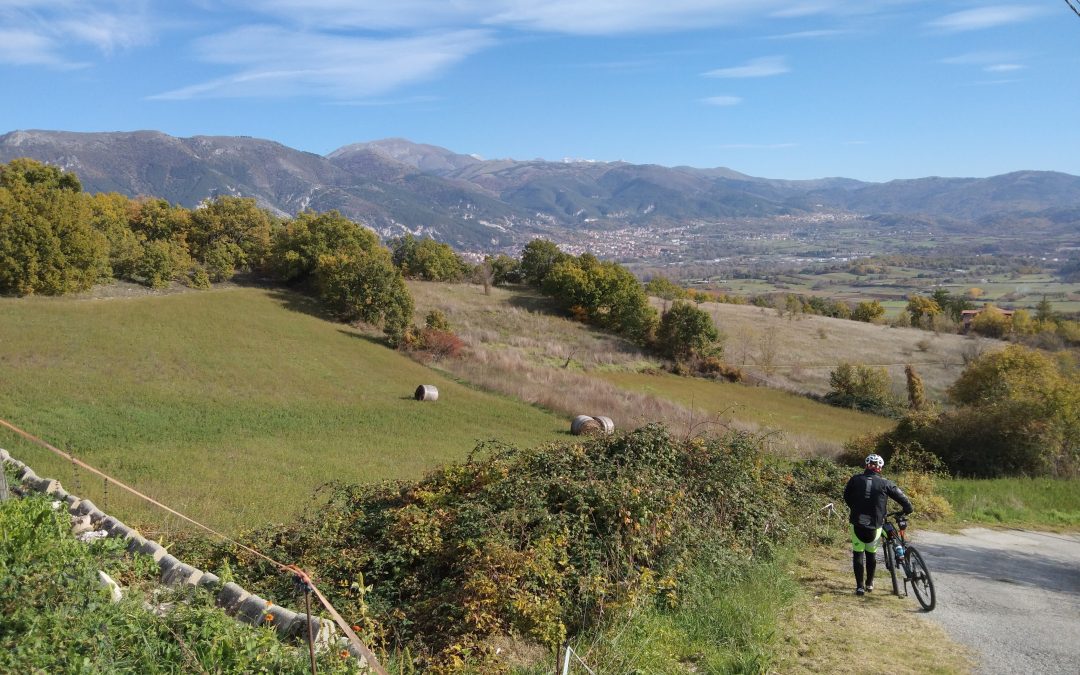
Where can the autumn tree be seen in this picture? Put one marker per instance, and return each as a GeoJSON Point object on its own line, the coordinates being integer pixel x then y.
{"type": "Point", "coordinates": [686, 332]}
{"type": "Point", "coordinates": [861, 387]}
{"type": "Point", "coordinates": [298, 245]}
{"type": "Point", "coordinates": [537, 259]}
{"type": "Point", "coordinates": [868, 311]}
{"type": "Point", "coordinates": [922, 310]}
{"type": "Point", "coordinates": [915, 390]}
{"type": "Point", "coordinates": [230, 234]}
{"type": "Point", "coordinates": [47, 244]}
{"type": "Point", "coordinates": [427, 259]}
{"type": "Point", "coordinates": [366, 286]}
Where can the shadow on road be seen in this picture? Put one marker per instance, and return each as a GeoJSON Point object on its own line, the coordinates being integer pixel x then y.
{"type": "Point", "coordinates": [1013, 567]}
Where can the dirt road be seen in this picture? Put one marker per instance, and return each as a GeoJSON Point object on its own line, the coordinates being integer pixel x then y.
{"type": "Point", "coordinates": [1012, 596]}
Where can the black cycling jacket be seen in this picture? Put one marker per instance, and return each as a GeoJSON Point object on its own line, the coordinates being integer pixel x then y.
{"type": "Point", "coordinates": [867, 495]}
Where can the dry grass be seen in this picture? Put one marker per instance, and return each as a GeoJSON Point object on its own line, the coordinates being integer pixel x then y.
{"type": "Point", "coordinates": [518, 347]}
{"type": "Point", "coordinates": [798, 352]}
{"type": "Point", "coordinates": [833, 631]}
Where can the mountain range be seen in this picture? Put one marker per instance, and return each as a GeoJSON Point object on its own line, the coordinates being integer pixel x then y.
{"type": "Point", "coordinates": [395, 185]}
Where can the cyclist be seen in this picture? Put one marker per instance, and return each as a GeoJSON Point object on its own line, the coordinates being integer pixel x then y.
{"type": "Point", "coordinates": [867, 495]}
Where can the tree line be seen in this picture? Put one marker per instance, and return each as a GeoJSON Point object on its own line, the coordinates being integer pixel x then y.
{"type": "Point", "coordinates": [57, 239]}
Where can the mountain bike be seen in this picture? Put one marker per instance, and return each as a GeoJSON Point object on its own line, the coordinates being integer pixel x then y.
{"type": "Point", "coordinates": [903, 558]}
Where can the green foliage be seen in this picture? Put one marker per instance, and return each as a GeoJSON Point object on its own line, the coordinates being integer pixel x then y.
{"type": "Point", "coordinates": [427, 259]}
{"type": "Point", "coordinates": [861, 387]}
{"type": "Point", "coordinates": [436, 320]}
{"type": "Point", "coordinates": [1018, 413]}
{"type": "Point", "coordinates": [504, 269]}
{"type": "Point", "coordinates": [922, 310]}
{"type": "Point", "coordinates": [991, 322]}
{"type": "Point", "coordinates": [47, 244]}
{"type": "Point", "coordinates": [686, 332]}
{"type": "Point", "coordinates": [1015, 372]}
{"type": "Point", "coordinates": [665, 289]}
{"type": "Point", "coordinates": [539, 543]}
{"type": "Point", "coordinates": [603, 293]}
{"type": "Point", "coordinates": [868, 311]}
{"type": "Point", "coordinates": [298, 245]}
{"type": "Point", "coordinates": [57, 619]}
{"type": "Point", "coordinates": [366, 287]}
{"type": "Point", "coordinates": [230, 234]}
{"type": "Point", "coordinates": [537, 259]}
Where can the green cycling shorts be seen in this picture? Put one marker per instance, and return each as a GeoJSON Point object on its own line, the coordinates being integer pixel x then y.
{"type": "Point", "coordinates": [858, 545]}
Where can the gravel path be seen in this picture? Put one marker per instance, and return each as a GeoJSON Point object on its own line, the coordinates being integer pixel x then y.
{"type": "Point", "coordinates": [1013, 596]}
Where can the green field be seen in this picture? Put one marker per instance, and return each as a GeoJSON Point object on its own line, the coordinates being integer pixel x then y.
{"type": "Point", "coordinates": [769, 408]}
{"type": "Point", "coordinates": [1041, 503]}
{"type": "Point", "coordinates": [230, 405]}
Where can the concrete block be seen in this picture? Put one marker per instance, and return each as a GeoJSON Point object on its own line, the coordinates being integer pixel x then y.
{"type": "Point", "coordinates": [80, 524]}
{"type": "Point", "coordinates": [84, 507]}
{"type": "Point", "coordinates": [4, 455]}
{"type": "Point", "coordinates": [281, 619]}
{"type": "Point", "coordinates": [230, 597]}
{"type": "Point", "coordinates": [134, 541]}
{"type": "Point", "coordinates": [325, 631]}
{"type": "Point", "coordinates": [210, 582]}
{"type": "Point", "coordinates": [150, 548]}
{"type": "Point", "coordinates": [252, 610]}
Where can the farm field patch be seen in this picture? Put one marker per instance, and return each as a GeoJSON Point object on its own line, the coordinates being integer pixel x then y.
{"type": "Point", "coordinates": [231, 405]}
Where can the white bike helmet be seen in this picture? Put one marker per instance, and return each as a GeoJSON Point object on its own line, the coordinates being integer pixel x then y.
{"type": "Point", "coordinates": [874, 462]}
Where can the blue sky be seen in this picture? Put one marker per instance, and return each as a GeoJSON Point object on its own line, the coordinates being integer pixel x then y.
{"type": "Point", "coordinates": [869, 89]}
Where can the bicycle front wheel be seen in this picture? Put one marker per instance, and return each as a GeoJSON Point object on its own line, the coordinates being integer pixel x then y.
{"type": "Point", "coordinates": [890, 564]}
{"type": "Point", "coordinates": [921, 582]}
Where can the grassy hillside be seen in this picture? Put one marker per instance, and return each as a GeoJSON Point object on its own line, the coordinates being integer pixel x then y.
{"type": "Point", "coordinates": [768, 408]}
{"type": "Point", "coordinates": [519, 347]}
{"type": "Point", "coordinates": [799, 352]}
{"type": "Point", "coordinates": [231, 405]}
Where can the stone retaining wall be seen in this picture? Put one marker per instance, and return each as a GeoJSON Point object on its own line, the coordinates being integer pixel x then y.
{"type": "Point", "coordinates": [234, 600]}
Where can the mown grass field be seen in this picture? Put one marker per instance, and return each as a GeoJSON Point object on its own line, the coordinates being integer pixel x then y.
{"type": "Point", "coordinates": [769, 408]}
{"type": "Point", "coordinates": [1035, 503]}
{"type": "Point", "coordinates": [230, 405]}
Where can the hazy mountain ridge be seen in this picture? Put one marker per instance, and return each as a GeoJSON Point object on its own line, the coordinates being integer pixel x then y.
{"type": "Point", "coordinates": [395, 185]}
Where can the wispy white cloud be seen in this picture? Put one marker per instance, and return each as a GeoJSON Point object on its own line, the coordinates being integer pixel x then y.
{"type": "Point", "coordinates": [765, 66]}
{"type": "Point", "coordinates": [1004, 68]}
{"type": "Point", "coordinates": [48, 32]}
{"type": "Point", "coordinates": [22, 47]}
{"type": "Point", "coordinates": [277, 62]}
{"type": "Point", "coordinates": [980, 58]}
{"type": "Point", "coordinates": [809, 34]}
{"type": "Point", "coordinates": [722, 100]}
{"type": "Point", "coordinates": [757, 146]}
{"type": "Point", "coordinates": [591, 17]}
{"type": "Point", "coordinates": [984, 17]}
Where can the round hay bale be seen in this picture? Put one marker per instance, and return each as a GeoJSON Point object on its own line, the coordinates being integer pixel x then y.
{"type": "Point", "coordinates": [584, 424]}
{"type": "Point", "coordinates": [426, 392]}
{"type": "Point", "coordinates": [606, 424]}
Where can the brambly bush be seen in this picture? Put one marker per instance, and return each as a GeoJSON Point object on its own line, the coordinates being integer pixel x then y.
{"type": "Point", "coordinates": [56, 618]}
{"type": "Point", "coordinates": [536, 545]}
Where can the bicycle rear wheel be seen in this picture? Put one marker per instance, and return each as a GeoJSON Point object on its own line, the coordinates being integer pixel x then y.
{"type": "Point", "coordinates": [920, 580]}
{"type": "Point", "coordinates": [890, 564]}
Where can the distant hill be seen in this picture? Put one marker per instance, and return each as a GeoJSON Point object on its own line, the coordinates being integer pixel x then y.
{"type": "Point", "coordinates": [395, 185]}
